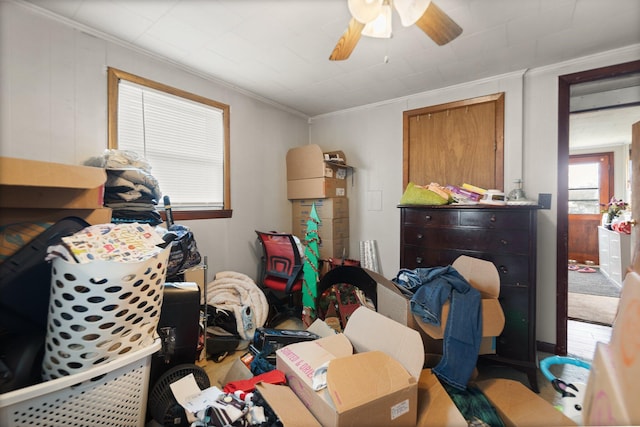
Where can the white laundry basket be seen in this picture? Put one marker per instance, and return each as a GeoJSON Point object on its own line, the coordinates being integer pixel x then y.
{"type": "Point", "coordinates": [111, 394]}
{"type": "Point", "coordinates": [101, 311]}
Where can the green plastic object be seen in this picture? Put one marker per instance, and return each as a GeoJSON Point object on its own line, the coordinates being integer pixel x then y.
{"type": "Point", "coordinates": [311, 261]}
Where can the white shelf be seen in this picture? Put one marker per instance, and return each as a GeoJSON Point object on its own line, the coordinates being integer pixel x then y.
{"type": "Point", "coordinates": [615, 253]}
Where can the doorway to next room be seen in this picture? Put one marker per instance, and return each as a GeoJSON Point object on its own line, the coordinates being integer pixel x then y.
{"type": "Point", "coordinates": [587, 298]}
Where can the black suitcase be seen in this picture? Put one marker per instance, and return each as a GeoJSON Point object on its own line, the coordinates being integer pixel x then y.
{"type": "Point", "coordinates": [25, 280]}
{"type": "Point", "coordinates": [178, 326]}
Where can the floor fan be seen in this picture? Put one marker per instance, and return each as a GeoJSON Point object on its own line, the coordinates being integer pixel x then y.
{"type": "Point", "coordinates": [162, 405]}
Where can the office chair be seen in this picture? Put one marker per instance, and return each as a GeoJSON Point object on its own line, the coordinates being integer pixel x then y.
{"type": "Point", "coordinates": [281, 275]}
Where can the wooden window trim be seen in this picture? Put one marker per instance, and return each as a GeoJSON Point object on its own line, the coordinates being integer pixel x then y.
{"type": "Point", "coordinates": [113, 77]}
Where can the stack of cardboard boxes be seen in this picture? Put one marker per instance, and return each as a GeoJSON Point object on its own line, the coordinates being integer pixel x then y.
{"type": "Point", "coordinates": [320, 178]}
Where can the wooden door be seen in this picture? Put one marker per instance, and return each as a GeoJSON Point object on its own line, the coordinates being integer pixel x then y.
{"type": "Point", "coordinates": [590, 187]}
{"type": "Point", "coordinates": [455, 143]}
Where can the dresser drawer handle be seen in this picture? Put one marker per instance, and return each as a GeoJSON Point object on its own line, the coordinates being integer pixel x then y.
{"type": "Point", "coordinates": [493, 218]}
{"type": "Point", "coordinates": [419, 260]}
{"type": "Point", "coordinates": [504, 242]}
{"type": "Point", "coordinates": [419, 236]}
{"type": "Point", "coordinates": [427, 217]}
{"type": "Point", "coordinates": [503, 269]}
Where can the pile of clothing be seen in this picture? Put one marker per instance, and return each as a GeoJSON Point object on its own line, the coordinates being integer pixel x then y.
{"type": "Point", "coordinates": [130, 190]}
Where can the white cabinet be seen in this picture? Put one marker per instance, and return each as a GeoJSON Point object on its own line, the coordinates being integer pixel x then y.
{"type": "Point", "coordinates": [615, 253]}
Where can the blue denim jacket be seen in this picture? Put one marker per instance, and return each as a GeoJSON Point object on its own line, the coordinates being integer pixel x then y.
{"type": "Point", "coordinates": [429, 289]}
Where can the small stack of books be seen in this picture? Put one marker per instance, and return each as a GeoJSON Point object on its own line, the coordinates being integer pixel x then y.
{"type": "Point", "coordinates": [466, 193]}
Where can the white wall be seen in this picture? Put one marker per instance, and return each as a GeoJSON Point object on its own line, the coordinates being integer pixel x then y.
{"type": "Point", "coordinates": [371, 137]}
{"type": "Point", "coordinates": [53, 107]}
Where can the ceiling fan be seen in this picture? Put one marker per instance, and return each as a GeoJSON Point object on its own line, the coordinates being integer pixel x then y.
{"type": "Point", "coordinates": [367, 14]}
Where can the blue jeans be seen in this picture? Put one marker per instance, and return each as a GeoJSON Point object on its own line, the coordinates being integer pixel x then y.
{"type": "Point", "coordinates": [430, 289]}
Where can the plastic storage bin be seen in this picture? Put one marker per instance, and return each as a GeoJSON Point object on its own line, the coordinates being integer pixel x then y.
{"type": "Point", "coordinates": [111, 394]}
{"type": "Point", "coordinates": [101, 311]}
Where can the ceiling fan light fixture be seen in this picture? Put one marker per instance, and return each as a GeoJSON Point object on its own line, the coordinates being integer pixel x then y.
{"type": "Point", "coordinates": [425, 14]}
{"type": "Point", "coordinates": [365, 11]}
{"type": "Point", "coordinates": [410, 10]}
{"type": "Point", "coordinates": [380, 27]}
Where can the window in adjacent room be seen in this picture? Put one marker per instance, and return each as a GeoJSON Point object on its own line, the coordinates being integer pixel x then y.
{"type": "Point", "coordinates": [185, 138]}
{"type": "Point", "coordinates": [590, 182]}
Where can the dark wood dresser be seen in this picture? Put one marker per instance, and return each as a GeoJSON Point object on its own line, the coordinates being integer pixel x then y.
{"type": "Point", "coordinates": [433, 236]}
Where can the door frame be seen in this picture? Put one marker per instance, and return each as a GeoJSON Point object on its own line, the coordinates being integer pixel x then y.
{"type": "Point", "coordinates": [562, 221]}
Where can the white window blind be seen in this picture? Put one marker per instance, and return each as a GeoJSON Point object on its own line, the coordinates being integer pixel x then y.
{"type": "Point", "coordinates": [183, 140]}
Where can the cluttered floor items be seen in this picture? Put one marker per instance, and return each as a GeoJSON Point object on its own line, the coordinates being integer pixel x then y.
{"type": "Point", "coordinates": [338, 375]}
{"type": "Point", "coordinates": [335, 371]}
{"type": "Point", "coordinates": [372, 355]}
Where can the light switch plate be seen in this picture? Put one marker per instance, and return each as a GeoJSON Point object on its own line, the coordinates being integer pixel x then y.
{"type": "Point", "coordinates": [544, 200]}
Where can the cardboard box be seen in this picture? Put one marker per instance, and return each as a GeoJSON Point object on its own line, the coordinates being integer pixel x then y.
{"type": "Point", "coordinates": [624, 346]}
{"type": "Point", "coordinates": [334, 248]}
{"type": "Point", "coordinates": [604, 399]}
{"type": "Point", "coordinates": [518, 406]}
{"type": "Point", "coordinates": [484, 277]}
{"type": "Point", "coordinates": [435, 407]}
{"type": "Point", "coordinates": [481, 274]}
{"type": "Point", "coordinates": [35, 184]}
{"type": "Point", "coordinates": [331, 229]}
{"type": "Point", "coordinates": [316, 188]}
{"type": "Point", "coordinates": [372, 372]}
{"type": "Point", "coordinates": [32, 190]}
{"type": "Point", "coordinates": [310, 176]}
{"type": "Point", "coordinates": [17, 215]}
{"type": "Point", "coordinates": [309, 161]}
{"type": "Point", "coordinates": [34, 173]}
{"type": "Point", "coordinates": [330, 208]}
{"type": "Point", "coordinates": [290, 410]}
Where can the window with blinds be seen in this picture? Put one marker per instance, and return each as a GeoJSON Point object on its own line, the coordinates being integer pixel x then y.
{"type": "Point", "coordinates": [183, 136]}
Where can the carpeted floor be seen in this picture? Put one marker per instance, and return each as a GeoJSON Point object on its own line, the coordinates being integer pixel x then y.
{"type": "Point", "coordinates": [592, 284]}
{"type": "Point", "coordinates": [592, 297]}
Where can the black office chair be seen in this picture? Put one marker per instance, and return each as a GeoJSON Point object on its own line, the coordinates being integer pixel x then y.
{"type": "Point", "coordinates": [281, 275]}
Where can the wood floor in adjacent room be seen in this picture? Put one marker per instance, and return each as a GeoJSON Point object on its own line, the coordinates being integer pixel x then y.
{"type": "Point", "coordinates": [582, 338]}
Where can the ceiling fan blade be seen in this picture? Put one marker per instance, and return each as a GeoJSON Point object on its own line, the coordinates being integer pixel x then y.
{"type": "Point", "coordinates": [438, 25]}
{"type": "Point", "coordinates": [348, 41]}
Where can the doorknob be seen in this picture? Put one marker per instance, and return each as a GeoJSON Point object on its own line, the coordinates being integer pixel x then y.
{"type": "Point", "coordinates": [633, 222]}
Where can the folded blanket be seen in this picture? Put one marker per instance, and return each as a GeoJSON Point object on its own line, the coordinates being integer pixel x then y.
{"type": "Point", "coordinates": [237, 292]}
{"type": "Point", "coordinates": [135, 180]}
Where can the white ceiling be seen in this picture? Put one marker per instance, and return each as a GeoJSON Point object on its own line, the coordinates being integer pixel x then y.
{"type": "Point", "coordinates": [602, 128]}
{"type": "Point", "coordinates": [279, 49]}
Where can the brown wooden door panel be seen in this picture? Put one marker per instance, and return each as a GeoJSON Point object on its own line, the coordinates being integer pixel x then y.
{"type": "Point", "coordinates": [456, 143]}
{"type": "Point", "coordinates": [583, 238]}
